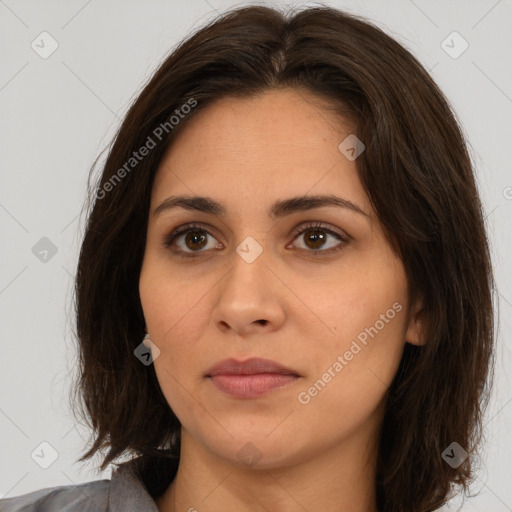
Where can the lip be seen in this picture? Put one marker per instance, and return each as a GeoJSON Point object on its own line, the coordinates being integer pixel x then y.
{"type": "Point", "coordinates": [251, 366]}
{"type": "Point", "coordinates": [250, 378]}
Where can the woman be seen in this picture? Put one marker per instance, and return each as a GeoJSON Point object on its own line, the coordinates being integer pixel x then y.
{"type": "Point", "coordinates": [284, 291]}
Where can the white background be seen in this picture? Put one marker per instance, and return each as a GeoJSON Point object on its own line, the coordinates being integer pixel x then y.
{"type": "Point", "coordinates": [58, 113]}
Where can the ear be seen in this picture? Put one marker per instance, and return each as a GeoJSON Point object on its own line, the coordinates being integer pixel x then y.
{"type": "Point", "coordinates": [415, 333]}
{"type": "Point", "coordinates": [147, 341]}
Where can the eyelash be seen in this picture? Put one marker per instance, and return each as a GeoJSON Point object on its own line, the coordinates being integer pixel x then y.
{"type": "Point", "coordinates": [170, 238]}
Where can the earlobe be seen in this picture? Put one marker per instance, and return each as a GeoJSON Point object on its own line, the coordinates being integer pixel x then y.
{"type": "Point", "coordinates": [147, 341]}
{"type": "Point", "coordinates": [415, 334]}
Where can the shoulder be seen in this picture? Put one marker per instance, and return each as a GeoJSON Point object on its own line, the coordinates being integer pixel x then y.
{"type": "Point", "coordinates": [133, 487]}
{"type": "Point", "coordinates": [66, 498]}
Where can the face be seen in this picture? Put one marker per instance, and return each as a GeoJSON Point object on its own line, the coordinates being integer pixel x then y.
{"type": "Point", "coordinates": [316, 289]}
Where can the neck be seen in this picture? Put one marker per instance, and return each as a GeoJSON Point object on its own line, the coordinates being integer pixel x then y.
{"type": "Point", "coordinates": [336, 480]}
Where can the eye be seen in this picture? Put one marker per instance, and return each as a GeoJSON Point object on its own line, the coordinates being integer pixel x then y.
{"type": "Point", "coordinates": [314, 236]}
{"type": "Point", "coordinates": [195, 238]}
{"type": "Point", "coordinates": [192, 239]}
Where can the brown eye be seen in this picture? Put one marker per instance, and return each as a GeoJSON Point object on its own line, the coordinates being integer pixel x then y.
{"type": "Point", "coordinates": [190, 240]}
{"type": "Point", "coordinates": [315, 239]}
{"type": "Point", "coordinates": [195, 239]}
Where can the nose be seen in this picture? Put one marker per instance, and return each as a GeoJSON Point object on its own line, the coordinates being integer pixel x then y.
{"type": "Point", "coordinates": [249, 298]}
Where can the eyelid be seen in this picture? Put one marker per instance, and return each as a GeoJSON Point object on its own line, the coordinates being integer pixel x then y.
{"type": "Point", "coordinates": [306, 225]}
{"type": "Point", "coordinates": [189, 226]}
{"type": "Point", "coordinates": [300, 229]}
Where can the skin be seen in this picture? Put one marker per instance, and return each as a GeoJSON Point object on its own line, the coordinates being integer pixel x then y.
{"type": "Point", "coordinates": [247, 153]}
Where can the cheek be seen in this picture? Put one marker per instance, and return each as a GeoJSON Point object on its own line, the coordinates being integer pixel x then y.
{"type": "Point", "coordinates": [175, 306]}
{"type": "Point", "coordinates": [351, 369]}
{"type": "Point", "coordinates": [174, 303]}
{"type": "Point", "coordinates": [361, 316]}
{"type": "Point", "coordinates": [175, 317]}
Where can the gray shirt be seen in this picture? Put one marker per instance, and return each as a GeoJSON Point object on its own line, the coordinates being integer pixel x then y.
{"type": "Point", "coordinates": [133, 487]}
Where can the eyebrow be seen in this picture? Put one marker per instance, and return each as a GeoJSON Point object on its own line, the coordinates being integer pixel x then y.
{"type": "Point", "coordinates": [279, 209]}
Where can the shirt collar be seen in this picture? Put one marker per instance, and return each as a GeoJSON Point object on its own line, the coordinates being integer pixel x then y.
{"type": "Point", "coordinates": [137, 483]}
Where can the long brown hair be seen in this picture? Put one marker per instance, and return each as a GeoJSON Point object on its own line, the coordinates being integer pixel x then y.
{"type": "Point", "coordinates": [419, 179]}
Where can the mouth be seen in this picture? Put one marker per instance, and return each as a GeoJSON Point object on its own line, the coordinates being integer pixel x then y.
{"type": "Point", "coordinates": [251, 378]}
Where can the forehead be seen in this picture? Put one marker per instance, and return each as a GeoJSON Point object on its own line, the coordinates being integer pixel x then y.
{"type": "Point", "coordinates": [280, 143]}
